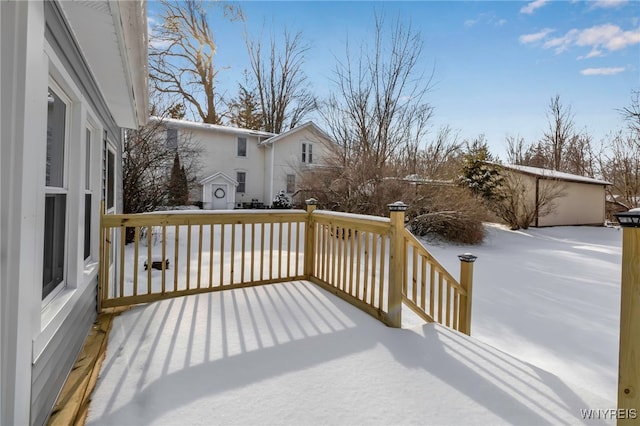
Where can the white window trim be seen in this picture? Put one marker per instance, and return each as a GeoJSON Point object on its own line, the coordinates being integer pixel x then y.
{"type": "Point", "coordinates": [246, 147]}
{"type": "Point", "coordinates": [245, 181]}
{"type": "Point", "coordinates": [69, 104]}
{"type": "Point", "coordinates": [56, 307]}
{"type": "Point", "coordinates": [306, 148]}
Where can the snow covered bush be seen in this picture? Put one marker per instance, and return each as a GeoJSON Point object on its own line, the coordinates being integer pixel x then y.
{"type": "Point", "coordinates": [282, 201]}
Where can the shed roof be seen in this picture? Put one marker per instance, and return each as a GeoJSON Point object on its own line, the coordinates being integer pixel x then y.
{"type": "Point", "coordinates": [554, 174]}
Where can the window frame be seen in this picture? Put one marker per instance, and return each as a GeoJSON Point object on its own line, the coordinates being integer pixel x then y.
{"type": "Point", "coordinates": [171, 142]}
{"type": "Point", "coordinates": [238, 150]}
{"type": "Point", "coordinates": [307, 153]}
{"type": "Point", "coordinates": [290, 183]}
{"type": "Point", "coordinates": [242, 182]}
{"type": "Point", "coordinates": [48, 191]}
{"type": "Point", "coordinates": [110, 179]}
{"type": "Point", "coordinates": [89, 189]}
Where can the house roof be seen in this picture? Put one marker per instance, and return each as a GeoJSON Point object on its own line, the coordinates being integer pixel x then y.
{"type": "Point", "coordinates": [553, 174]}
{"type": "Point", "coordinates": [185, 124]}
{"type": "Point", "coordinates": [308, 125]}
{"type": "Point", "coordinates": [219, 174]}
{"type": "Point", "coordinates": [113, 39]}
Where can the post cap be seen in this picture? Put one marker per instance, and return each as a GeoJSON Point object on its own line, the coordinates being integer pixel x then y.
{"type": "Point", "coordinates": [311, 202]}
{"type": "Point", "coordinates": [630, 219]}
{"type": "Point", "coordinates": [467, 257]}
{"type": "Point", "coordinates": [398, 206]}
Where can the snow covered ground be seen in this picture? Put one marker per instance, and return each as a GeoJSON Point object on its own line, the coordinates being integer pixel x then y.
{"type": "Point", "coordinates": [294, 354]}
{"type": "Point", "coordinates": [550, 297]}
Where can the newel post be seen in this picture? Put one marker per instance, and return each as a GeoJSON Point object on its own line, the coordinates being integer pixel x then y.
{"type": "Point", "coordinates": [309, 239]}
{"type": "Point", "coordinates": [396, 262]}
{"type": "Point", "coordinates": [629, 358]}
{"type": "Point", "coordinates": [466, 282]}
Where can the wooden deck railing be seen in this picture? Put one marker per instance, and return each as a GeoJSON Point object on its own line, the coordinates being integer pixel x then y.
{"type": "Point", "coordinates": [431, 291]}
{"type": "Point", "coordinates": [371, 262]}
{"type": "Point", "coordinates": [350, 259]}
{"type": "Point", "coordinates": [198, 252]}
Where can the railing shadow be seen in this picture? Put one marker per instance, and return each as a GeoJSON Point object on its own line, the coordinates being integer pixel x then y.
{"type": "Point", "coordinates": [214, 343]}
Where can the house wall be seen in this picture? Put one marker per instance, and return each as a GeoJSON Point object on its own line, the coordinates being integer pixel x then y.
{"type": "Point", "coordinates": [40, 339]}
{"type": "Point", "coordinates": [582, 204]}
{"type": "Point", "coordinates": [219, 154]}
{"type": "Point", "coordinates": [288, 157]}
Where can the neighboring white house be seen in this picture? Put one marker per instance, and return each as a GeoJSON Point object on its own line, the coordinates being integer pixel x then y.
{"type": "Point", "coordinates": [73, 74]}
{"type": "Point", "coordinates": [241, 166]}
{"type": "Point", "coordinates": [582, 201]}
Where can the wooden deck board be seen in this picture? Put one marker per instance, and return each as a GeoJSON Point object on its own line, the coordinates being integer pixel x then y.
{"type": "Point", "coordinates": [73, 402]}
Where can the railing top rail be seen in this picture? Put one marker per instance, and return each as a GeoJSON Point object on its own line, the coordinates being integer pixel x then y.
{"type": "Point", "coordinates": [359, 217]}
{"type": "Point", "coordinates": [376, 224]}
{"type": "Point", "coordinates": [197, 217]}
{"type": "Point", "coordinates": [411, 239]}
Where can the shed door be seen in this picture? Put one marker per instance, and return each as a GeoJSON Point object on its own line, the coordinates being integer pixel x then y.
{"type": "Point", "coordinates": [219, 196]}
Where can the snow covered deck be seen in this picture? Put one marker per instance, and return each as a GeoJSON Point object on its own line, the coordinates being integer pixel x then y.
{"type": "Point", "coordinates": [292, 353]}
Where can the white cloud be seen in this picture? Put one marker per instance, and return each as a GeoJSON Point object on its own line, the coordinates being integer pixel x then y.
{"type": "Point", "coordinates": [470, 22]}
{"type": "Point", "coordinates": [608, 37]}
{"type": "Point", "coordinates": [531, 7]}
{"type": "Point", "coordinates": [485, 18]}
{"type": "Point", "coordinates": [602, 71]}
{"type": "Point", "coordinates": [608, 4]}
{"type": "Point", "coordinates": [532, 38]}
{"type": "Point", "coordinates": [595, 53]}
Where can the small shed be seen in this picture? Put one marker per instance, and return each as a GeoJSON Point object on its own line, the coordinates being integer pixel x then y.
{"type": "Point", "coordinates": [582, 201]}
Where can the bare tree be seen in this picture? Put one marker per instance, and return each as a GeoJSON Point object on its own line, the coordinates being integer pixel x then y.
{"type": "Point", "coordinates": [631, 114]}
{"type": "Point", "coordinates": [377, 114]}
{"type": "Point", "coordinates": [620, 165]}
{"type": "Point", "coordinates": [579, 157]}
{"type": "Point", "coordinates": [559, 132]}
{"type": "Point", "coordinates": [181, 56]}
{"type": "Point", "coordinates": [516, 150]}
{"type": "Point", "coordinates": [519, 206]}
{"type": "Point", "coordinates": [148, 154]}
{"type": "Point", "coordinates": [281, 83]}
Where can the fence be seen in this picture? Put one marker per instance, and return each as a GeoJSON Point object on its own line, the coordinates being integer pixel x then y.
{"type": "Point", "coordinates": [373, 263]}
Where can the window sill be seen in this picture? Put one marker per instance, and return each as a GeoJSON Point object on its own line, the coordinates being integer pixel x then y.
{"type": "Point", "coordinates": [54, 313]}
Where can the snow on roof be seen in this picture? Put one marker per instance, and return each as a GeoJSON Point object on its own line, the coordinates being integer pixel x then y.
{"type": "Point", "coordinates": [553, 174]}
{"type": "Point", "coordinates": [311, 124]}
{"type": "Point", "coordinates": [172, 122]}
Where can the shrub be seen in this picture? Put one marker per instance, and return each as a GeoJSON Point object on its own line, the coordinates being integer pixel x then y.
{"type": "Point", "coordinates": [451, 226]}
{"type": "Point", "coordinates": [282, 201]}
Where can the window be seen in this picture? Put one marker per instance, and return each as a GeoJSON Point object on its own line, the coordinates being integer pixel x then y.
{"type": "Point", "coordinates": [111, 179]}
{"type": "Point", "coordinates": [172, 138]}
{"type": "Point", "coordinates": [242, 147]}
{"type": "Point", "coordinates": [307, 153]}
{"type": "Point", "coordinates": [241, 177]}
{"type": "Point", "coordinates": [291, 184]}
{"type": "Point", "coordinates": [87, 197]}
{"type": "Point", "coordinates": [55, 206]}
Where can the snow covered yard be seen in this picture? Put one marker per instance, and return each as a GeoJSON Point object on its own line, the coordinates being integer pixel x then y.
{"type": "Point", "coordinates": [550, 297]}
{"type": "Point", "coordinates": [293, 354]}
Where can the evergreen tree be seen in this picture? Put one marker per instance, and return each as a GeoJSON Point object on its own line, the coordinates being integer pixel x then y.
{"type": "Point", "coordinates": [244, 111]}
{"type": "Point", "coordinates": [479, 171]}
{"type": "Point", "coordinates": [178, 191]}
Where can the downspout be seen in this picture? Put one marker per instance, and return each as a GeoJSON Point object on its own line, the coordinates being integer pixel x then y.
{"type": "Point", "coordinates": [537, 201]}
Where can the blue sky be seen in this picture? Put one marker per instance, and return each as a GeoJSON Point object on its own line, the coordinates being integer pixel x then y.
{"type": "Point", "coordinates": [496, 64]}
